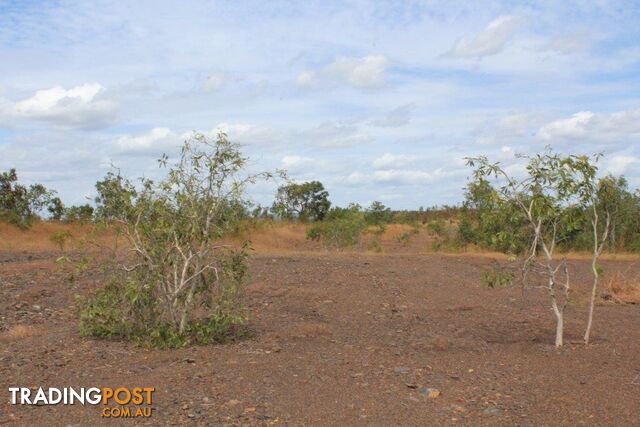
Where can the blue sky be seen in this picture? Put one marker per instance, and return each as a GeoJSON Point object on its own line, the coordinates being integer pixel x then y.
{"type": "Point", "coordinates": [378, 100]}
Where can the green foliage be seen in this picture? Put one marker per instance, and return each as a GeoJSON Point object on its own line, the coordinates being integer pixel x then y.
{"type": "Point", "coordinates": [182, 285]}
{"type": "Point", "coordinates": [127, 308]}
{"type": "Point", "coordinates": [615, 197]}
{"type": "Point", "coordinates": [495, 278]}
{"type": "Point", "coordinates": [406, 236]}
{"type": "Point", "coordinates": [491, 221]}
{"type": "Point", "coordinates": [59, 238]}
{"type": "Point", "coordinates": [115, 199]}
{"type": "Point", "coordinates": [19, 204]}
{"type": "Point", "coordinates": [81, 213]}
{"type": "Point", "coordinates": [375, 246]}
{"type": "Point", "coordinates": [378, 214]}
{"type": "Point", "coordinates": [56, 209]}
{"type": "Point", "coordinates": [342, 227]}
{"type": "Point", "coordinates": [308, 201]}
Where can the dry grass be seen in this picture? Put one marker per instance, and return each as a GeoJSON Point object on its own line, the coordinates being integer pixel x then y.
{"type": "Point", "coordinates": [38, 237]}
{"type": "Point", "coordinates": [623, 288]}
{"type": "Point", "coordinates": [278, 237]}
{"type": "Point", "coordinates": [269, 237]}
{"type": "Point", "coordinates": [19, 332]}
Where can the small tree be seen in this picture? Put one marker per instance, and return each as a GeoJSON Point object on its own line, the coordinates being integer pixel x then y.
{"type": "Point", "coordinates": [79, 213]}
{"type": "Point", "coordinates": [182, 283]}
{"type": "Point", "coordinates": [305, 201]}
{"type": "Point", "coordinates": [378, 214]}
{"type": "Point", "coordinates": [115, 197]}
{"type": "Point", "coordinates": [20, 204]}
{"type": "Point", "coordinates": [56, 209]}
{"type": "Point", "coordinates": [548, 196]}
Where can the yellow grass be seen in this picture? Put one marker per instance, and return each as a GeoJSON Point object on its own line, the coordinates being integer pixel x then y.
{"type": "Point", "coordinates": [268, 237]}
{"type": "Point", "coordinates": [39, 237]}
{"type": "Point", "coordinates": [624, 288]}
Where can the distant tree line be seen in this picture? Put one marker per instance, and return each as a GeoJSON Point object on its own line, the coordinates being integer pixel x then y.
{"type": "Point", "coordinates": [483, 219]}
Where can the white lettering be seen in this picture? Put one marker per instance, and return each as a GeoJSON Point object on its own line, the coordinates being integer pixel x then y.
{"type": "Point", "coordinates": [24, 396]}
{"type": "Point", "coordinates": [14, 392]}
{"type": "Point", "coordinates": [41, 397]}
{"type": "Point", "coordinates": [54, 400]}
{"type": "Point", "coordinates": [97, 397]}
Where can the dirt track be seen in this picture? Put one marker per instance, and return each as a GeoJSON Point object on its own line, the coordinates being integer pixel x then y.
{"type": "Point", "coordinates": [340, 340]}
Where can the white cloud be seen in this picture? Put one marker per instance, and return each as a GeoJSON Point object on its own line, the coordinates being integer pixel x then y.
{"type": "Point", "coordinates": [489, 41]}
{"type": "Point", "coordinates": [363, 73]}
{"type": "Point", "coordinates": [296, 164]}
{"type": "Point", "coordinates": [306, 79]}
{"type": "Point", "coordinates": [397, 117]}
{"type": "Point", "coordinates": [249, 134]}
{"type": "Point", "coordinates": [508, 129]}
{"type": "Point", "coordinates": [336, 134]}
{"type": "Point", "coordinates": [156, 138]}
{"type": "Point", "coordinates": [391, 161]}
{"type": "Point", "coordinates": [398, 176]}
{"type": "Point", "coordinates": [618, 165]}
{"type": "Point", "coordinates": [213, 82]}
{"type": "Point", "coordinates": [599, 127]}
{"type": "Point", "coordinates": [82, 107]}
{"type": "Point", "coordinates": [576, 42]}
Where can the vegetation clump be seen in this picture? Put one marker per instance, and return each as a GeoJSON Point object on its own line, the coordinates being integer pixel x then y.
{"type": "Point", "coordinates": [556, 197]}
{"type": "Point", "coordinates": [341, 228]}
{"type": "Point", "coordinates": [20, 204]}
{"type": "Point", "coordinates": [180, 285]}
{"type": "Point", "coordinates": [307, 201]}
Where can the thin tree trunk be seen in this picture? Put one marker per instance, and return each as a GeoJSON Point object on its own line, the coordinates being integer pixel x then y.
{"type": "Point", "coordinates": [559, 323]}
{"type": "Point", "coordinates": [594, 289]}
{"type": "Point", "coordinates": [597, 250]}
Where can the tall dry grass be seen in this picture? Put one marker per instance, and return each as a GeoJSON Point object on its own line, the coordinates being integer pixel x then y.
{"type": "Point", "coordinates": [623, 288]}
{"type": "Point", "coordinates": [38, 238]}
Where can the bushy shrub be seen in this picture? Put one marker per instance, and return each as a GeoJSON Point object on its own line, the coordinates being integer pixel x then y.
{"type": "Point", "coordinates": [81, 213]}
{"type": "Point", "coordinates": [495, 278]}
{"type": "Point", "coordinates": [378, 214]}
{"type": "Point", "coordinates": [342, 228]}
{"type": "Point", "coordinates": [59, 238]}
{"type": "Point", "coordinates": [181, 285]}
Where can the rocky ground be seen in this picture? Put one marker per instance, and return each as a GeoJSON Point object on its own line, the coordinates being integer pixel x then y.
{"type": "Point", "coordinates": [340, 339]}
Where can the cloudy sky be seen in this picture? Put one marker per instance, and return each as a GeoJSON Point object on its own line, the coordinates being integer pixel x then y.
{"type": "Point", "coordinates": [378, 100]}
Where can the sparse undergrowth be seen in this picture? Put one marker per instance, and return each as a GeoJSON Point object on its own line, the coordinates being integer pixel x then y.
{"type": "Point", "coordinates": [497, 278]}
{"type": "Point", "coordinates": [623, 289]}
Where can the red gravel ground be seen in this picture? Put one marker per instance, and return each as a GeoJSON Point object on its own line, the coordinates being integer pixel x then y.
{"type": "Point", "coordinates": [340, 339]}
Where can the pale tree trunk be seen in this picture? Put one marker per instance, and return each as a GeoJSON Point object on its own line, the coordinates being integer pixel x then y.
{"type": "Point", "coordinates": [594, 289]}
{"type": "Point", "coordinates": [559, 323]}
{"type": "Point", "coordinates": [597, 250]}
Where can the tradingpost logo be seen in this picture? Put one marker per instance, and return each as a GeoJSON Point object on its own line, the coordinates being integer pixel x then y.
{"type": "Point", "coordinates": [121, 402]}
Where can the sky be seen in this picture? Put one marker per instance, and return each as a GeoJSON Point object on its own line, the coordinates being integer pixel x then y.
{"type": "Point", "coordinates": [378, 100]}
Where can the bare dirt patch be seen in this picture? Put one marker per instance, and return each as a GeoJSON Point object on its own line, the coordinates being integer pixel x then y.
{"type": "Point", "coordinates": [339, 339]}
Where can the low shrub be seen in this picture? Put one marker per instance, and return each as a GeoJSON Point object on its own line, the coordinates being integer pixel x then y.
{"type": "Point", "coordinates": [59, 238]}
{"type": "Point", "coordinates": [497, 278]}
{"type": "Point", "coordinates": [342, 228]}
{"type": "Point", "coordinates": [180, 285]}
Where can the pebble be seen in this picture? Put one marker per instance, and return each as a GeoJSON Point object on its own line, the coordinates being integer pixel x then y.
{"type": "Point", "coordinates": [401, 370]}
{"type": "Point", "coordinates": [492, 410]}
{"type": "Point", "coordinates": [430, 392]}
